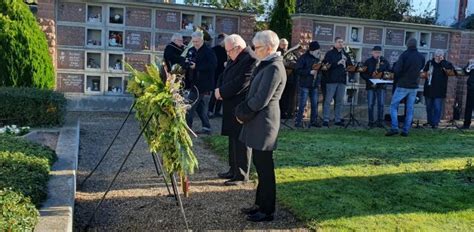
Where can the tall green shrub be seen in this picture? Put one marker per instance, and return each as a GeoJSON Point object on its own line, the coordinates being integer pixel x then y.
{"type": "Point", "coordinates": [280, 19]}
{"type": "Point", "coordinates": [24, 56]}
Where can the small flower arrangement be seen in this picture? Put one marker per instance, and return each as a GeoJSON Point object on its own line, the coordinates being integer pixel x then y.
{"type": "Point", "coordinates": [14, 130]}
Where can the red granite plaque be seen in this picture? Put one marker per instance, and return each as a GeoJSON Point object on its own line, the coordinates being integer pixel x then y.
{"type": "Point", "coordinates": [373, 35]}
{"type": "Point", "coordinates": [439, 40]}
{"type": "Point", "coordinates": [137, 61]}
{"type": "Point", "coordinates": [70, 59]}
{"type": "Point", "coordinates": [228, 25]}
{"type": "Point", "coordinates": [394, 37]}
{"type": "Point", "coordinates": [137, 40]}
{"type": "Point", "coordinates": [138, 17]}
{"type": "Point", "coordinates": [71, 36]}
{"type": "Point", "coordinates": [168, 20]}
{"type": "Point", "coordinates": [72, 12]}
{"type": "Point", "coordinates": [69, 82]}
{"type": "Point", "coordinates": [323, 32]}
{"type": "Point", "coordinates": [161, 40]}
{"type": "Point", "coordinates": [341, 31]}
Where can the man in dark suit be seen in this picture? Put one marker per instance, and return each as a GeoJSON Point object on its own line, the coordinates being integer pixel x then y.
{"type": "Point", "coordinates": [470, 95]}
{"type": "Point", "coordinates": [407, 70]}
{"type": "Point", "coordinates": [201, 70]}
{"type": "Point", "coordinates": [232, 89]}
{"type": "Point", "coordinates": [376, 66]}
{"type": "Point", "coordinates": [221, 54]}
{"type": "Point", "coordinates": [173, 51]}
{"type": "Point", "coordinates": [260, 115]}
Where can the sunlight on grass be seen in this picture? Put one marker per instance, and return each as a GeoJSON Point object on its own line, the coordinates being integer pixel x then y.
{"type": "Point", "coordinates": [359, 180]}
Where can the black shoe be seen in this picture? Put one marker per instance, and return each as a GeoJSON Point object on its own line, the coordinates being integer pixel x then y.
{"type": "Point", "coordinates": [466, 126]}
{"type": "Point", "coordinates": [427, 124]}
{"type": "Point", "coordinates": [434, 126]}
{"type": "Point", "coordinates": [315, 124]}
{"type": "Point", "coordinates": [250, 211]}
{"type": "Point", "coordinates": [226, 175]}
{"type": "Point", "coordinates": [391, 133]}
{"type": "Point", "coordinates": [339, 123]}
{"type": "Point", "coordinates": [298, 125]}
{"type": "Point", "coordinates": [235, 182]}
{"type": "Point", "coordinates": [204, 132]}
{"type": "Point", "coordinates": [260, 217]}
{"type": "Point", "coordinates": [326, 124]}
{"type": "Point", "coordinates": [404, 134]}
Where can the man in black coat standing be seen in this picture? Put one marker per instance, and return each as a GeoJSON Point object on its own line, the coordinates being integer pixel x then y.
{"type": "Point", "coordinates": [470, 94]}
{"type": "Point", "coordinates": [221, 54]}
{"type": "Point", "coordinates": [232, 89]}
{"type": "Point", "coordinates": [201, 69]}
{"type": "Point", "coordinates": [407, 70]}
{"type": "Point", "coordinates": [436, 85]}
{"type": "Point", "coordinates": [173, 51]}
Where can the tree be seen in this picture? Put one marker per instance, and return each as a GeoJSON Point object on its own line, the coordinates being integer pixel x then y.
{"type": "Point", "coordinates": [254, 6]}
{"type": "Point", "coordinates": [24, 57]}
{"type": "Point", "coordinates": [280, 19]}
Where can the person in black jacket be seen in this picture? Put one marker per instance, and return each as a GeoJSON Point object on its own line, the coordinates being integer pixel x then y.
{"type": "Point", "coordinates": [232, 88]}
{"type": "Point", "coordinates": [221, 54]}
{"type": "Point", "coordinates": [173, 51]}
{"type": "Point", "coordinates": [407, 70]}
{"type": "Point", "coordinates": [376, 66]}
{"type": "Point", "coordinates": [308, 82]}
{"type": "Point", "coordinates": [288, 99]}
{"type": "Point", "coordinates": [335, 80]}
{"type": "Point", "coordinates": [470, 94]}
{"type": "Point", "coordinates": [201, 68]}
{"type": "Point", "coordinates": [435, 87]}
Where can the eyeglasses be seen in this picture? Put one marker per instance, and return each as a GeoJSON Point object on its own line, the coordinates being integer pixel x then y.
{"type": "Point", "coordinates": [258, 47]}
{"type": "Point", "coordinates": [230, 50]}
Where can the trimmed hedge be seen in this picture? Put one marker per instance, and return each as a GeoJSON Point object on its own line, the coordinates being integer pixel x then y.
{"type": "Point", "coordinates": [17, 213]}
{"type": "Point", "coordinates": [24, 173]}
{"type": "Point", "coordinates": [31, 107]}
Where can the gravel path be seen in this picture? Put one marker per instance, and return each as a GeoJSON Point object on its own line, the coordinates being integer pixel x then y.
{"type": "Point", "coordinates": [138, 200]}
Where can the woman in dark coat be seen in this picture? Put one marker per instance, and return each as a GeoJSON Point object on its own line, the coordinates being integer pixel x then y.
{"type": "Point", "coordinates": [260, 116]}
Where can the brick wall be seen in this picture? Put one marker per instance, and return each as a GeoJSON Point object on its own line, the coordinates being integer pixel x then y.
{"type": "Point", "coordinates": [46, 18]}
{"type": "Point", "coordinates": [247, 25]}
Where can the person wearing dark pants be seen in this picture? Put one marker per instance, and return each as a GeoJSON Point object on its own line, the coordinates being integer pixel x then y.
{"type": "Point", "coordinates": [435, 87]}
{"type": "Point", "coordinates": [308, 83]}
{"type": "Point", "coordinates": [215, 105]}
{"type": "Point", "coordinates": [201, 70]}
{"type": "Point", "coordinates": [376, 66]}
{"type": "Point", "coordinates": [407, 70]}
{"type": "Point", "coordinates": [260, 116]}
{"type": "Point", "coordinates": [470, 95]}
{"type": "Point", "coordinates": [232, 87]}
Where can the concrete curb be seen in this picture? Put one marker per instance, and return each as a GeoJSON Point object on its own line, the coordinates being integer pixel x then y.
{"type": "Point", "coordinates": [58, 210]}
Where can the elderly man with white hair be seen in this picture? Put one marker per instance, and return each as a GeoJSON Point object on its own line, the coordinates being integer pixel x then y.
{"type": "Point", "coordinates": [260, 115]}
{"type": "Point", "coordinates": [283, 47]}
{"type": "Point", "coordinates": [436, 85]}
{"type": "Point", "coordinates": [201, 64]}
{"type": "Point", "coordinates": [173, 51]}
{"type": "Point", "coordinates": [232, 87]}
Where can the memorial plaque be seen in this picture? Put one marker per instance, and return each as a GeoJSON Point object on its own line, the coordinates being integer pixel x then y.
{"type": "Point", "coordinates": [68, 82]}
{"type": "Point", "coordinates": [391, 55]}
{"type": "Point", "coordinates": [137, 40]}
{"type": "Point", "coordinates": [161, 40]}
{"type": "Point", "coordinates": [323, 32]}
{"type": "Point", "coordinates": [395, 37]}
{"type": "Point", "coordinates": [168, 20]}
{"type": "Point", "coordinates": [138, 17]}
{"type": "Point", "coordinates": [228, 25]}
{"type": "Point", "coordinates": [325, 48]}
{"type": "Point", "coordinates": [72, 12]}
{"type": "Point", "coordinates": [439, 40]}
{"type": "Point", "coordinates": [138, 61]}
{"type": "Point", "coordinates": [366, 54]}
{"type": "Point", "coordinates": [341, 31]}
{"type": "Point", "coordinates": [70, 59]}
{"type": "Point", "coordinates": [71, 36]}
{"type": "Point", "coordinates": [373, 35]}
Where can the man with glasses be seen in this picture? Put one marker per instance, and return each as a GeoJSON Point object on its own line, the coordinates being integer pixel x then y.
{"type": "Point", "coordinates": [201, 69]}
{"type": "Point", "coordinates": [232, 88]}
{"type": "Point", "coordinates": [173, 51]}
{"type": "Point", "coordinates": [335, 80]}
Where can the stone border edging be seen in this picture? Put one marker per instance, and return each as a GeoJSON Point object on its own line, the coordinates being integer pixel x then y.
{"type": "Point", "coordinates": [56, 213]}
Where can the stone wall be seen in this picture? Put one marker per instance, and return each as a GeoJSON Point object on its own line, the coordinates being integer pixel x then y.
{"type": "Point", "coordinates": [46, 18]}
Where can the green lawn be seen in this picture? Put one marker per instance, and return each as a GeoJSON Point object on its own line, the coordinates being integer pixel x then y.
{"type": "Point", "coordinates": [359, 180]}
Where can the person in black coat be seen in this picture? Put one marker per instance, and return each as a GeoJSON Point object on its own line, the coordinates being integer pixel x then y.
{"type": "Point", "coordinates": [221, 54]}
{"type": "Point", "coordinates": [407, 70]}
{"type": "Point", "coordinates": [308, 82]}
{"type": "Point", "coordinates": [376, 66]}
{"type": "Point", "coordinates": [260, 115]}
{"type": "Point", "coordinates": [435, 87]}
{"type": "Point", "coordinates": [173, 51]}
{"type": "Point", "coordinates": [201, 67]}
{"type": "Point", "coordinates": [232, 89]}
{"type": "Point", "coordinates": [288, 99]}
{"type": "Point", "coordinates": [470, 95]}
{"type": "Point", "coordinates": [335, 80]}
